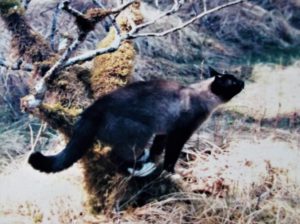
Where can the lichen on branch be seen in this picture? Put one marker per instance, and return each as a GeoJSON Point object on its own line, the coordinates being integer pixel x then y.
{"type": "Point", "coordinates": [113, 70]}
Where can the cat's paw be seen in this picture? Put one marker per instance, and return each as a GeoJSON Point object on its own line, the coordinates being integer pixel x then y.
{"type": "Point", "coordinates": [175, 177]}
{"type": "Point", "coordinates": [145, 156]}
{"type": "Point", "coordinates": [146, 170]}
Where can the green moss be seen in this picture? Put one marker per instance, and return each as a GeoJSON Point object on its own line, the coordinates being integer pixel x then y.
{"type": "Point", "coordinates": [59, 117]}
{"type": "Point", "coordinates": [10, 6]}
{"type": "Point", "coordinates": [111, 71]}
{"type": "Point", "coordinates": [58, 108]}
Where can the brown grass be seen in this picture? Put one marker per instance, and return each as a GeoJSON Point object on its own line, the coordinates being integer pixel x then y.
{"type": "Point", "coordinates": [246, 181]}
{"type": "Point", "coordinates": [274, 91]}
{"type": "Point", "coordinates": [237, 174]}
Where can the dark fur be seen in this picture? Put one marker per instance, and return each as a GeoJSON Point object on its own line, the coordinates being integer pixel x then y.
{"type": "Point", "coordinates": [127, 118]}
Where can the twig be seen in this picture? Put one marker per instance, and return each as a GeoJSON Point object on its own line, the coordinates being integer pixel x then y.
{"type": "Point", "coordinates": [176, 6]}
{"type": "Point", "coordinates": [111, 18]}
{"type": "Point", "coordinates": [65, 61]}
{"type": "Point", "coordinates": [122, 7]}
{"type": "Point", "coordinates": [174, 29]}
{"type": "Point", "coordinates": [204, 5]}
{"type": "Point", "coordinates": [31, 138]}
{"type": "Point", "coordinates": [19, 65]}
{"type": "Point", "coordinates": [34, 141]}
{"type": "Point", "coordinates": [114, 46]}
{"type": "Point", "coordinates": [6, 93]}
{"type": "Point", "coordinates": [54, 26]}
{"type": "Point", "coordinates": [91, 54]}
{"type": "Point", "coordinates": [131, 35]}
{"type": "Point", "coordinates": [156, 2]}
{"type": "Point", "coordinates": [74, 12]}
{"type": "Point", "coordinates": [37, 138]}
{"type": "Point", "coordinates": [40, 87]}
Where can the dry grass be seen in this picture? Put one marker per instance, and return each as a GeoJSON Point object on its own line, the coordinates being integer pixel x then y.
{"type": "Point", "coordinates": [231, 175]}
{"type": "Point", "coordinates": [280, 207]}
{"type": "Point", "coordinates": [273, 92]}
{"type": "Point", "coordinates": [28, 196]}
{"type": "Point", "coordinates": [13, 144]}
{"type": "Point", "coordinates": [245, 181]}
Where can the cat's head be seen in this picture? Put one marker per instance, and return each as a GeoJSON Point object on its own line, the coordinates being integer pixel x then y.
{"type": "Point", "coordinates": [225, 86]}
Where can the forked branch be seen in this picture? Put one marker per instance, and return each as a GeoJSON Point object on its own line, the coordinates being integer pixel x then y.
{"type": "Point", "coordinates": [86, 23]}
{"type": "Point", "coordinates": [134, 32]}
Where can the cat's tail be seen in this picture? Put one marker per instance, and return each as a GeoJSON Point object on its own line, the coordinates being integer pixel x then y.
{"type": "Point", "coordinates": [81, 140]}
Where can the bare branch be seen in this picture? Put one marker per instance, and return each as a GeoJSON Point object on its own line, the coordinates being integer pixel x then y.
{"type": "Point", "coordinates": [19, 65]}
{"type": "Point", "coordinates": [5, 95]}
{"type": "Point", "coordinates": [91, 54]}
{"type": "Point", "coordinates": [65, 60]}
{"type": "Point", "coordinates": [54, 26]}
{"type": "Point", "coordinates": [40, 87]}
{"type": "Point", "coordinates": [34, 141]}
{"type": "Point", "coordinates": [131, 35]}
{"type": "Point", "coordinates": [204, 5]}
{"type": "Point", "coordinates": [74, 12]}
{"type": "Point", "coordinates": [111, 18]}
{"type": "Point", "coordinates": [174, 29]}
{"type": "Point", "coordinates": [122, 7]}
{"type": "Point", "coordinates": [118, 39]}
{"type": "Point", "coordinates": [176, 6]}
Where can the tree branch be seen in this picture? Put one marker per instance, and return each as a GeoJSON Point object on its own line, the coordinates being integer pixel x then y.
{"type": "Point", "coordinates": [66, 61]}
{"type": "Point", "coordinates": [19, 65]}
{"type": "Point", "coordinates": [185, 24]}
{"type": "Point", "coordinates": [122, 7]}
{"type": "Point", "coordinates": [131, 35]}
{"type": "Point", "coordinates": [176, 6]}
{"type": "Point", "coordinates": [204, 5]}
{"type": "Point", "coordinates": [74, 12]}
{"type": "Point", "coordinates": [111, 18]}
{"type": "Point", "coordinates": [91, 54]}
{"type": "Point", "coordinates": [63, 61]}
{"type": "Point", "coordinates": [54, 26]}
{"type": "Point", "coordinates": [40, 88]}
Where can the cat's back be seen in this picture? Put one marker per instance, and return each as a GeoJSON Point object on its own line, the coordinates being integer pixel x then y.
{"type": "Point", "coordinates": [145, 91]}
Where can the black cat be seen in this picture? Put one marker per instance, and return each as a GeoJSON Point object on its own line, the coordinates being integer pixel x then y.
{"type": "Point", "coordinates": [129, 117]}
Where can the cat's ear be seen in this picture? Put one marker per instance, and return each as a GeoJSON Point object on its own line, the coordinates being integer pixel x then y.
{"type": "Point", "coordinates": [213, 73]}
